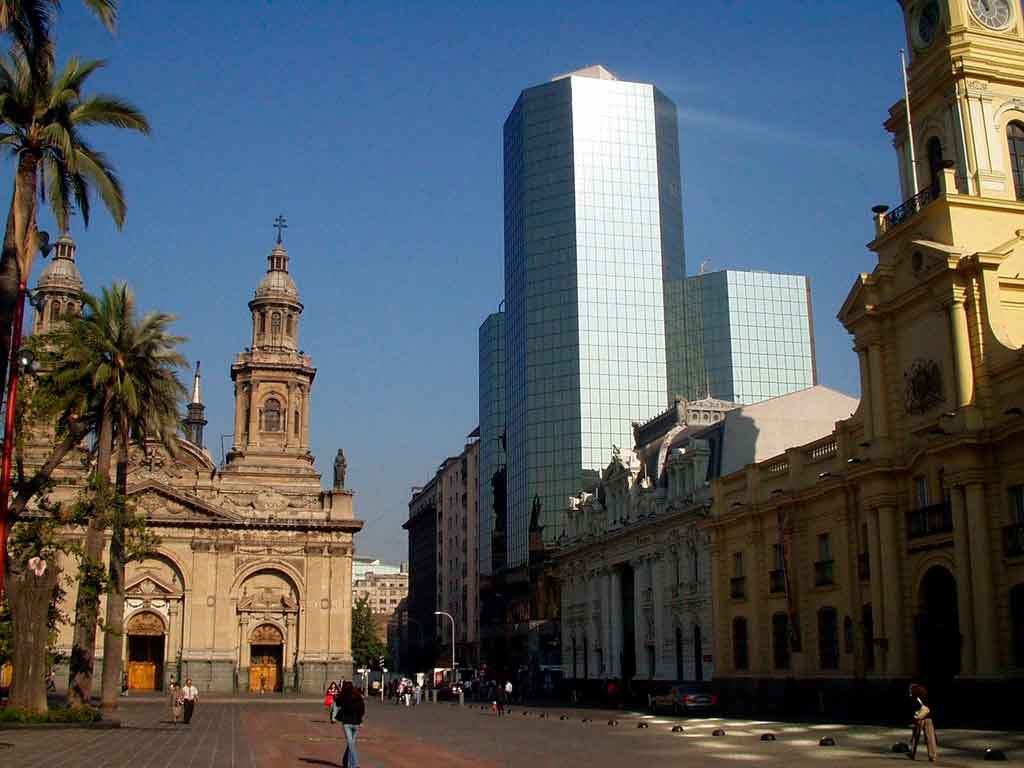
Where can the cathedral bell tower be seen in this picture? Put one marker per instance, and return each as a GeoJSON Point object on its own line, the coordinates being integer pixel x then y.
{"type": "Point", "coordinates": [59, 290]}
{"type": "Point", "coordinates": [273, 379]}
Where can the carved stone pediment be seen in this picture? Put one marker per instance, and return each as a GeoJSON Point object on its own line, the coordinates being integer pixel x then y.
{"type": "Point", "coordinates": [267, 600]}
{"type": "Point", "coordinates": [161, 502]}
{"type": "Point", "coordinates": [149, 586]}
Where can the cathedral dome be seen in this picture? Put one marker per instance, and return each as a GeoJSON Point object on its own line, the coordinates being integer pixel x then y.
{"type": "Point", "coordinates": [61, 272]}
{"type": "Point", "coordinates": [277, 280]}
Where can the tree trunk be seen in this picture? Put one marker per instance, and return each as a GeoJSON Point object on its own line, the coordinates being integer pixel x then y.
{"type": "Point", "coordinates": [113, 632]}
{"type": "Point", "coordinates": [8, 295]}
{"type": "Point", "coordinates": [29, 597]}
{"type": "Point", "coordinates": [90, 578]}
{"type": "Point", "coordinates": [19, 247]}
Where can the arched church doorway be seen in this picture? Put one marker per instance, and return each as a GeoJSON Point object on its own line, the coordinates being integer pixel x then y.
{"type": "Point", "coordinates": [146, 643]}
{"type": "Point", "coordinates": [938, 627]}
{"type": "Point", "coordinates": [266, 652]}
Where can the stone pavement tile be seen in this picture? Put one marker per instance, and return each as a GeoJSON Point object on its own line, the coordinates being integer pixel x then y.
{"type": "Point", "coordinates": [272, 733]}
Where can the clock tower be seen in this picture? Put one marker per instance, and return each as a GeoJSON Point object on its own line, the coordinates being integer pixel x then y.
{"type": "Point", "coordinates": [938, 326]}
{"type": "Point", "coordinates": [966, 85]}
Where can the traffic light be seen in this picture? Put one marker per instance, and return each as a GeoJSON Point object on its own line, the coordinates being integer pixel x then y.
{"type": "Point", "coordinates": [380, 662]}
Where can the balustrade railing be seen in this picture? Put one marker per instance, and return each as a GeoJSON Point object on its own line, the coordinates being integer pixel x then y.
{"type": "Point", "coordinates": [910, 207]}
{"type": "Point", "coordinates": [929, 521]}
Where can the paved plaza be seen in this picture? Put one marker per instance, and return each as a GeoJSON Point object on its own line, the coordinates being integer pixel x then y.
{"type": "Point", "coordinates": [247, 733]}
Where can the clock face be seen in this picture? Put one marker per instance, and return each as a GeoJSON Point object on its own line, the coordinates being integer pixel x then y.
{"type": "Point", "coordinates": [928, 22]}
{"type": "Point", "coordinates": [994, 14]}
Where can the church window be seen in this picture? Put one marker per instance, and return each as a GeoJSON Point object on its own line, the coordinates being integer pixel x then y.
{"type": "Point", "coordinates": [272, 415]}
{"type": "Point", "coordinates": [295, 423]}
{"type": "Point", "coordinates": [263, 322]}
{"type": "Point", "coordinates": [935, 163]}
{"type": "Point", "coordinates": [275, 324]}
{"type": "Point", "coordinates": [288, 325]}
{"type": "Point", "coordinates": [1015, 138]}
{"type": "Point", "coordinates": [54, 311]}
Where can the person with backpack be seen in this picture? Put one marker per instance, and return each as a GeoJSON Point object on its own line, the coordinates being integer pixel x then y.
{"type": "Point", "coordinates": [351, 710]}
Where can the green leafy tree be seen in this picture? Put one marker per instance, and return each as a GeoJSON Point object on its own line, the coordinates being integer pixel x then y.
{"type": "Point", "coordinates": [367, 648]}
{"type": "Point", "coordinates": [123, 369]}
{"type": "Point", "coordinates": [42, 117]}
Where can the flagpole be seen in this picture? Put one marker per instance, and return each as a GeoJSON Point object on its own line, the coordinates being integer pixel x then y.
{"type": "Point", "coordinates": [910, 128]}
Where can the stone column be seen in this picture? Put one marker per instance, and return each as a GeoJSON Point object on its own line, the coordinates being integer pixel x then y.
{"type": "Point", "coordinates": [877, 376]}
{"type": "Point", "coordinates": [639, 624]}
{"type": "Point", "coordinates": [615, 587]}
{"type": "Point", "coordinates": [240, 399]}
{"type": "Point", "coordinates": [891, 546]}
{"type": "Point", "coordinates": [962, 366]}
{"type": "Point", "coordinates": [962, 558]}
{"type": "Point", "coordinates": [865, 400]}
{"type": "Point", "coordinates": [981, 581]}
{"type": "Point", "coordinates": [877, 591]}
{"type": "Point", "coordinates": [604, 583]}
{"type": "Point", "coordinates": [658, 588]}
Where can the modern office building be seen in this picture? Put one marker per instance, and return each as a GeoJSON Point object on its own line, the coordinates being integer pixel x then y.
{"type": "Point", "coordinates": [748, 336]}
{"type": "Point", "coordinates": [492, 428]}
{"type": "Point", "coordinates": [593, 246]}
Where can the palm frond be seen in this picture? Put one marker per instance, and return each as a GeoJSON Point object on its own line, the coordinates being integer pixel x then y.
{"type": "Point", "coordinates": [109, 110]}
{"type": "Point", "coordinates": [93, 166]}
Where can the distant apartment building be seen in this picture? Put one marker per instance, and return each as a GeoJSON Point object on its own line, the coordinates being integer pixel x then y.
{"type": "Point", "coordinates": [383, 586]}
{"type": "Point", "coordinates": [443, 543]}
{"type": "Point", "coordinates": [748, 336]}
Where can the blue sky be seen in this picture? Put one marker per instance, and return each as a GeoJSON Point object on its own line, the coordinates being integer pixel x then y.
{"type": "Point", "coordinates": [376, 129]}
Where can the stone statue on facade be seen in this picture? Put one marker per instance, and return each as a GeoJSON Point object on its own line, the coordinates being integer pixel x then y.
{"type": "Point", "coordinates": [340, 467]}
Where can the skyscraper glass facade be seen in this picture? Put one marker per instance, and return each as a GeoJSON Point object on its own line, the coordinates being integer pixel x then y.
{"type": "Point", "coordinates": [748, 336]}
{"type": "Point", "coordinates": [592, 232]}
{"type": "Point", "coordinates": [492, 425]}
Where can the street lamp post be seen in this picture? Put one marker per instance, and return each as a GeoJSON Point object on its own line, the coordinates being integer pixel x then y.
{"type": "Point", "coordinates": [452, 619]}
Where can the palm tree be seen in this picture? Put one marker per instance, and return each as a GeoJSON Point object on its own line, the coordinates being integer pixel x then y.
{"type": "Point", "coordinates": [29, 22]}
{"type": "Point", "coordinates": [126, 367]}
{"type": "Point", "coordinates": [42, 115]}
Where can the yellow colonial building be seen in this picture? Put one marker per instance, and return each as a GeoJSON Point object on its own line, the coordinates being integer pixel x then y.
{"type": "Point", "coordinates": [894, 548]}
{"type": "Point", "coordinates": [250, 584]}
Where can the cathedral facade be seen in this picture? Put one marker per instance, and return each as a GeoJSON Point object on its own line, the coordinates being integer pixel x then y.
{"type": "Point", "coordinates": [248, 587]}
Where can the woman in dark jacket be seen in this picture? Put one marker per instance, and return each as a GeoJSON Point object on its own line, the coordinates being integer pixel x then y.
{"type": "Point", "coordinates": [350, 713]}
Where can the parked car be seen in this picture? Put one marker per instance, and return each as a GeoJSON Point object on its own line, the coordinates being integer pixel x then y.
{"type": "Point", "coordinates": [686, 697]}
{"type": "Point", "coordinates": [449, 692]}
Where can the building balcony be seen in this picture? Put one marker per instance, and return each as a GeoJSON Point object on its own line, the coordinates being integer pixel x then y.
{"type": "Point", "coordinates": [824, 573]}
{"type": "Point", "coordinates": [863, 567]}
{"type": "Point", "coordinates": [737, 587]}
{"type": "Point", "coordinates": [1013, 540]}
{"type": "Point", "coordinates": [932, 520]}
{"type": "Point", "coordinates": [906, 210]}
{"type": "Point", "coordinates": [777, 581]}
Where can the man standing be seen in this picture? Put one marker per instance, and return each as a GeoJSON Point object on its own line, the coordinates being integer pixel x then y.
{"type": "Point", "coordinates": [508, 690]}
{"type": "Point", "coordinates": [189, 695]}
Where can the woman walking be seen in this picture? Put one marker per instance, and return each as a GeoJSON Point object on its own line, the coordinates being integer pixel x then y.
{"type": "Point", "coordinates": [923, 722]}
{"type": "Point", "coordinates": [175, 703]}
{"type": "Point", "coordinates": [350, 712]}
{"type": "Point", "coordinates": [332, 691]}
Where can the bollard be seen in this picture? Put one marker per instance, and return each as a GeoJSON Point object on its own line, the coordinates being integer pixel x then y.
{"type": "Point", "coordinates": [901, 747]}
{"type": "Point", "coordinates": [767, 737]}
{"type": "Point", "coordinates": [641, 724]}
{"type": "Point", "coordinates": [462, 699]}
{"type": "Point", "coordinates": [827, 741]}
{"type": "Point", "coordinates": [993, 754]}
{"type": "Point", "coordinates": [613, 722]}
{"type": "Point", "coordinates": [677, 729]}
{"type": "Point", "coordinates": [718, 732]}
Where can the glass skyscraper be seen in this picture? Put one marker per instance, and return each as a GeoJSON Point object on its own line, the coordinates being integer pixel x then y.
{"type": "Point", "coordinates": [492, 427]}
{"type": "Point", "coordinates": [748, 336]}
{"type": "Point", "coordinates": [593, 253]}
